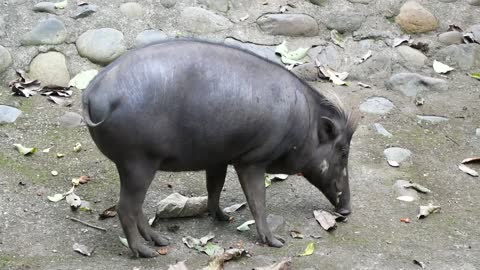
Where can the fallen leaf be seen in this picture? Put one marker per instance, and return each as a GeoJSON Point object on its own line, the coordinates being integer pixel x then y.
{"type": "Point", "coordinates": [417, 187]}
{"type": "Point", "coordinates": [421, 46]}
{"type": "Point", "coordinates": [470, 160]}
{"type": "Point", "coordinates": [124, 241]}
{"type": "Point", "coordinates": [54, 173]}
{"type": "Point", "coordinates": [326, 219]}
{"type": "Point", "coordinates": [268, 182]}
{"type": "Point", "coordinates": [464, 168]}
{"type": "Point", "coordinates": [61, 5]}
{"type": "Point", "coordinates": [162, 251]}
{"type": "Point", "coordinates": [336, 77]}
{"type": "Point", "coordinates": [60, 155]}
{"type": "Point", "coordinates": [191, 242]}
{"type": "Point", "coordinates": [364, 57]}
{"type": "Point", "coordinates": [178, 266]}
{"type": "Point", "coordinates": [211, 249]}
{"type": "Point", "coordinates": [206, 238]}
{"type": "Point", "coordinates": [234, 207]}
{"type": "Point", "coordinates": [469, 38]}
{"type": "Point", "coordinates": [85, 206]}
{"type": "Point", "coordinates": [453, 27]}
{"type": "Point", "coordinates": [427, 210]}
{"type": "Point", "coordinates": [46, 150]}
{"type": "Point", "coordinates": [405, 220]}
{"type": "Point", "coordinates": [82, 79]}
{"type": "Point", "coordinates": [400, 40]}
{"type": "Point", "coordinates": [108, 213]}
{"type": "Point", "coordinates": [308, 250]}
{"type": "Point", "coordinates": [283, 9]}
{"type": "Point", "coordinates": [393, 163]}
{"type": "Point", "coordinates": [81, 3]}
{"type": "Point", "coordinates": [419, 263]}
{"type": "Point", "coordinates": [364, 85]}
{"type": "Point", "coordinates": [244, 226]}
{"type": "Point", "coordinates": [25, 150]}
{"type": "Point", "coordinates": [152, 220]}
{"type": "Point", "coordinates": [73, 200]}
{"type": "Point", "coordinates": [77, 148]}
{"type": "Point", "coordinates": [283, 265]}
{"type": "Point", "coordinates": [60, 101]}
{"type": "Point", "coordinates": [475, 75]}
{"type": "Point", "coordinates": [419, 101]}
{"type": "Point", "coordinates": [217, 262]}
{"type": "Point", "coordinates": [82, 249]}
{"type": "Point", "coordinates": [244, 18]}
{"type": "Point", "coordinates": [406, 198]}
{"type": "Point", "coordinates": [56, 198]}
{"type": "Point", "coordinates": [337, 38]}
{"type": "Point", "coordinates": [176, 205]}
{"type": "Point", "coordinates": [56, 90]}
{"type": "Point", "coordinates": [23, 86]}
{"type": "Point", "coordinates": [75, 181]}
{"type": "Point", "coordinates": [291, 57]}
{"type": "Point", "coordinates": [296, 234]}
{"type": "Point", "coordinates": [276, 176]}
{"type": "Point", "coordinates": [203, 245]}
{"type": "Point", "coordinates": [84, 179]}
{"type": "Point", "coordinates": [441, 68]}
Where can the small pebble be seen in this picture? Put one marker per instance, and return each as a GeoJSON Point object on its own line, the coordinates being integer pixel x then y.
{"type": "Point", "coordinates": [54, 173]}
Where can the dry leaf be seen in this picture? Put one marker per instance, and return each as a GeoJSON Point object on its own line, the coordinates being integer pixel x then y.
{"type": "Point", "coordinates": [453, 27]}
{"type": "Point", "coordinates": [399, 41]}
{"type": "Point", "coordinates": [244, 226]}
{"type": "Point", "coordinates": [365, 57]}
{"type": "Point", "coordinates": [405, 220]}
{"type": "Point", "coordinates": [296, 234]}
{"type": "Point", "coordinates": [441, 68]}
{"type": "Point", "coordinates": [417, 187]}
{"type": "Point", "coordinates": [419, 263]}
{"type": "Point", "coordinates": [337, 38]}
{"type": "Point", "coordinates": [108, 213]}
{"type": "Point", "coordinates": [178, 266]}
{"type": "Point", "coordinates": [217, 263]}
{"type": "Point", "coordinates": [470, 160]}
{"type": "Point", "coordinates": [84, 179]}
{"type": "Point", "coordinates": [23, 86]}
{"type": "Point", "coordinates": [393, 163]}
{"type": "Point", "coordinates": [60, 101]}
{"type": "Point", "coordinates": [406, 198]}
{"type": "Point", "coordinates": [82, 249]}
{"type": "Point", "coordinates": [326, 219]}
{"type": "Point", "coordinates": [464, 168]}
{"type": "Point", "coordinates": [283, 265]}
{"type": "Point", "coordinates": [364, 85]}
{"type": "Point", "coordinates": [56, 90]}
{"type": "Point", "coordinates": [336, 77]}
{"type": "Point", "coordinates": [234, 207]}
{"type": "Point", "coordinates": [427, 210]}
{"type": "Point", "coordinates": [162, 251]}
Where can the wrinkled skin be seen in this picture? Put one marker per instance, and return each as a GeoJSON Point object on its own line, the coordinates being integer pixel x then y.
{"type": "Point", "coordinates": [205, 108]}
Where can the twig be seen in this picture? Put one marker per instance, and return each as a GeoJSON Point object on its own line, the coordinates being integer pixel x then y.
{"type": "Point", "coordinates": [86, 223]}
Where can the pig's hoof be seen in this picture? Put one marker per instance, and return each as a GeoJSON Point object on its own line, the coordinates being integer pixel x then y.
{"type": "Point", "coordinates": [274, 242]}
{"type": "Point", "coordinates": [220, 215]}
{"type": "Point", "coordinates": [144, 251]}
{"type": "Point", "coordinates": [159, 240]}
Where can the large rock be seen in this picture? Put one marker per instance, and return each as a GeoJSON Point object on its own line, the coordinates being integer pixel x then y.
{"type": "Point", "coordinates": [464, 56]}
{"type": "Point", "coordinates": [267, 52]}
{"type": "Point", "coordinates": [149, 37]}
{"type": "Point", "coordinates": [414, 18]}
{"type": "Point", "coordinates": [47, 7]}
{"type": "Point", "coordinates": [50, 68]}
{"type": "Point", "coordinates": [101, 46]}
{"type": "Point", "coordinates": [5, 59]}
{"type": "Point", "coordinates": [412, 57]}
{"type": "Point", "coordinates": [199, 20]}
{"type": "Point", "coordinates": [331, 57]}
{"type": "Point", "coordinates": [49, 32]}
{"type": "Point", "coordinates": [288, 24]}
{"type": "Point", "coordinates": [377, 105]}
{"type": "Point", "coordinates": [345, 22]}
{"type": "Point", "coordinates": [218, 5]}
{"type": "Point", "coordinates": [411, 84]}
{"type": "Point", "coordinates": [451, 37]}
{"type": "Point", "coordinates": [132, 10]}
{"type": "Point", "coordinates": [8, 114]}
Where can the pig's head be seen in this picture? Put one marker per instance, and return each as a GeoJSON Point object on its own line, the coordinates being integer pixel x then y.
{"type": "Point", "coordinates": [328, 168]}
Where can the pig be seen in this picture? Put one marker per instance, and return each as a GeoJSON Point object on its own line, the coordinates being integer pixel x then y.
{"type": "Point", "coordinates": [191, 105]}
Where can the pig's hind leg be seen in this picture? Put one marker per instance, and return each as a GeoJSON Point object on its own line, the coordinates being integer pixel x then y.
{"type": "Point", "coordinates": [215, 181]}
{"type": "Point", "coordinates": [135, 178]}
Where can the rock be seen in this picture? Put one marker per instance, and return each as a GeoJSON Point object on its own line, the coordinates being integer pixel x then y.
{"type": "Point", "coordinates": [377, 105]}
{"type": "Point", "coordinates": [275, 223]}
{"type": "Point", "coordinates": [432, 119]}
{"type": "Point", "coordinates": [345, 22]}
{"type": "Point", "coordinates": [414, 18]}
{"type": "Point", "coordinates": [148, 37]}
{"type": "Point", "coordinates": [267, 52]}
{"type": "Point", "coordinates": [49, 32]}
{"type": "Point", "coordinates": [411, 56]}
{"type": "Point", "coordinates": [451, 37]}
{"type": "Point", "coordinates": [330, 56]}
{"type": "Point", "coordinates": [5, 59]}
{"type": "Point", "coordinates": [50, 68]}
{"type": "Point", "coordinates": [199, 20]}
{"type": "Point", "coordinates": [132, 10]}
{"type": "Point", "coordinates": [288, 24]}
{"type": "Point", "coordinates": [382, 131]}
{"type": "Point", "coordinates": [464, 56]}
{"type": "Point", "coordinates": [400, 190]}
{"type": "Point", "coordinates": [378, 67]}
{"type": "Point", "coordinates": [101, 46]}
{"type": "Point", "coordinates": [477, 132]}
{"type": "Point", "coordinates": [218, 5]}
{"type": "Point", "coordinates": [307, 72]}
{"type": "Point", "coordinates": [475, 30]}
{"type": "Point", "coordinates": [84, 11]}
{"type": "Point", "coordinates": [447, 1]}
{"type": "Point", "coordinates": [168, 3]}
{"type": "Point", "coordinates": [8, 114]}
{"type": "Point", "coordinates": [361, 1]}
{"type": "Point", "coordinates": [411, 84]}
{"type": "Point", "coordinates": [474, 2]}
{"type": "Point", "coordinates": [319, 2]}
{"type": "Point", "coordinates": [47, 7]}
{"type": "Point", "coordinates": [397, 154]}
{"type": "Point", "coordinates": [70, 120]}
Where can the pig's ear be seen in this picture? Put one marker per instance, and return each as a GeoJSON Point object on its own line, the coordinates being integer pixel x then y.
{"type": "Point", "coordinates": [327, 130]}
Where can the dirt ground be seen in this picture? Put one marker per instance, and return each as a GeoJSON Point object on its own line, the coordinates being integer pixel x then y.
{"type": "Point", "coordinates": [35, 233]}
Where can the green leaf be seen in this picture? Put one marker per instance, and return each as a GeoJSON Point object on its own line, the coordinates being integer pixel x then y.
{"type": "Point", "coordinates": [268, 181]}
{"type": "Point", "coordinates": [124, 241]}
{"type": "Point", "coordinates": [82, 79]}
{"type": "Point", "coordinates": [61, 5]}
{"type": "Point", "coordinates": [309, 250]}
{"type": "Point", "coordinates": [293, 57]}
{"type": "Point", "coordinates": [211, 249]}
{"type": "Point", "coordinates": [475, 75]}
{"type": "Point", "coordinates": [244, 226]}
{"type": "Point", "coordinates": [24, 150]}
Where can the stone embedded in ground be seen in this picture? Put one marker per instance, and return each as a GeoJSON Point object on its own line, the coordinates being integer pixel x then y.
{"type": "Point", "coordinates": [412, 57]}
{"type": "Point", "coordinates": [319, 2]}
{"type": "Point", "coordinates": [47, 7]}
{"type": "Point", "coordinates": [132, 10]}
{"type": "Point", "coordinates": [345, 22]}
{"type": "Point", "coordinates": [474, 2]}
{"type": "Point", "coordinates": [267, 52]}
{"type": "Point", "coordinates": [70, 120]}
{"type": "Point", "coordinates": [49, 32]}
{"type": "Point", "coordinates": [432, 119]}
{"type": "Point", "coordinates": [411, 84]}
{"type": "Point", "coordinates": [168, 3]}
{"type": "Point", "coordinates": [50, 68]}
{"type": "Point", "coordinates": [477, 132]}
{"type": "Point", "coordinates": [451, 37]}
{"type": "Point", "coordinates": [288, 24]}
{"type": "Point", "coordinates": [378, 67]}
{"type": "Point", "coordinates": [101, 46]}
{"type": "Point", "coordinates": [84, 11]}
{"type": "Point", "coordinates": [9, 114]}
{"type": "Point", "coordinates": [414, 18]}
{"type": "Point", "coordinates": [464, 56]}
{"type": "Point", "coordinates": [377, 105]}
{"type": "Point", "coordinates": [201, 21]}
{"type": "Point", "coordinates": [218, 5]}
{"type": "Point", "coordinates": [382, 131]}
{"type": "Point", "coordinates": [5, 59]}
{"type": "Point", "coordinates": [400, 190]}
{"type": "Point", "coordinates": [447, 1]}
{"type": "Point", "coordinates": [148, 37]}
{"type": "Point", "coordinates": [307, 71]}
{"type": "Point", "coordinates": [361, 1]}
{"type": "Point", "coordinates": [330, 56]}
{"type": "Point", "coordinates": [397, 154]}
{"type": "Point", "coordinates": [275, 223]}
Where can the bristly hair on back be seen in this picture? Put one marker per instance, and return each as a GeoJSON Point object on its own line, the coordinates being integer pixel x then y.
{"type": "Point", "coordinates": [350, 116]}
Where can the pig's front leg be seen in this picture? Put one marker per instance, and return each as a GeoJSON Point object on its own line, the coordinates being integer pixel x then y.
{"type": "Point", "coordinates": [215, 182]}
{"type": "Point", "coordinates": [252, 180]}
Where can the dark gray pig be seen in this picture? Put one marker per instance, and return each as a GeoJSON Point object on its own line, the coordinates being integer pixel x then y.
{"type": "Point", "coordinates": [188, 105]}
